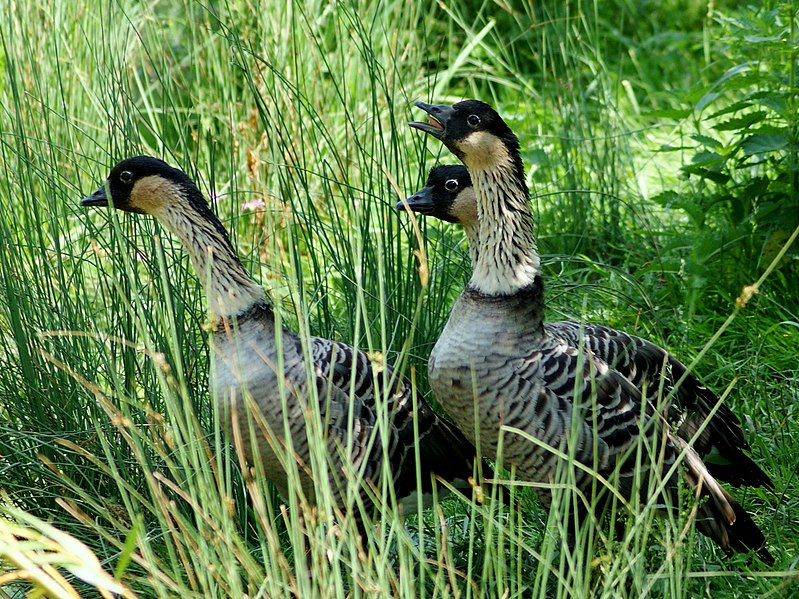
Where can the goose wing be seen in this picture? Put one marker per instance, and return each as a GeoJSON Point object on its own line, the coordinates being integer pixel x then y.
{"type": "Point", "coordinates": [608, 419]}
{"type": "Point", "coordinates": [585, 408]}
{"type": "Point", "coordinates": [362, 388]}
{"type": "Point", "coordinates": [694, 410]}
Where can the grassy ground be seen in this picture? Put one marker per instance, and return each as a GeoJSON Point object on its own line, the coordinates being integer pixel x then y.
{"type": "Point", "coordinates": [293, 117]}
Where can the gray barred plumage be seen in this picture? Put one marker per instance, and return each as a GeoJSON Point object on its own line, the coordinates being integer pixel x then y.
{"type": "Point", "coordinates": [263, 381]}
{"type": "Point", "coordinates": [692, 409]}
{"type": "Point", "coordinates": [498, 371]}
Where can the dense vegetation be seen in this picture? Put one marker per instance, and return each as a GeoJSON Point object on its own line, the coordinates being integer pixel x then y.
{"type": "Point", "coordinates": [661, 144]}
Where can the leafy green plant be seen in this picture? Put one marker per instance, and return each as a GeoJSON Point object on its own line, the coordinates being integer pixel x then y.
{"type": "Point", "coordinates": [291, 116]}
{"type": "Point", "coordinates": [741, 141]}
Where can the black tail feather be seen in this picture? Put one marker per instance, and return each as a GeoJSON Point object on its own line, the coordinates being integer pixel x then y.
{"type": "Point", "coordinates": [723, 519]}
{"type": "Point", "coordinates": [746, 536]}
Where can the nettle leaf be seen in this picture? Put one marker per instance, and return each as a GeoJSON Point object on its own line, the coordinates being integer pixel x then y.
{"type": "Point", "coordinates": [674, 201]}
{"type": "Point", "coordinates": [774, 213]}
{"type": "Point", "coordinates": [769, 130]}
{"type": "Point", "coordinates": [666, 198]}
{"type": "Point", "coordinates": [670, 113]}
{"type": "Point", "coordinates": [743, 81]}
{"type": "Point", "coordinates": [764, 142]}
{"type": "Point", "coordinates": [707, 141]}
{"type": "Point", "coordinates": [777, 103]}
{"type": "Point", "coordinates": [711, 175]}
{"type": "Point", "coordinates": [734, 107]}
{"type": "Point", "coordinates": [694, 211]}
{"type": "Point", "coordinates": [755, 188]}
{"type": "Point", "coordinates": [708, 158]}
{"type": "Point", "coordinates": [759, 39]}
{"type": "Point", "coordinates": [742, 122]}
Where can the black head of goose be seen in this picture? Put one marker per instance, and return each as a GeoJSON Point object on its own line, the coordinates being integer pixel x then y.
{"type": "Point", "coordinates": [253, 357]}
{"type": "Point", "coordinates": [449, 195]}
{"type": "Point", "coordinates": [500, 373]}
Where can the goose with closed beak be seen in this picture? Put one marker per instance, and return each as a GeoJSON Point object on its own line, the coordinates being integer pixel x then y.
{"type": "Point", "coordinates": [271, 385]}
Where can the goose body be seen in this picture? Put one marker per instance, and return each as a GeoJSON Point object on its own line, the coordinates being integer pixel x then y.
{"type": "Point", "coordinates": [694, 411]}
{"type": "Point", "coordinates": [270, 384]}
{"type": "Point", "coordinates": [499, 372]}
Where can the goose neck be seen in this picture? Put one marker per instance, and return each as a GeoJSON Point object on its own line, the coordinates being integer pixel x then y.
{"type": "Point", "coordinates": [473, 239]}
{"type": "Point", "coordinates": [228, 287]}
{"type": "Point", "coordinates": [507, 260]}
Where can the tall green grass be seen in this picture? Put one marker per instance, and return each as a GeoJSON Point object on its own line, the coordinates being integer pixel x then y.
{"type": "Point", "coordinates": [293, 117]}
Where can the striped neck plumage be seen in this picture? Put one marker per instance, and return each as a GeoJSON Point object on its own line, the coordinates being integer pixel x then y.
{"type": "Point", "coordinates": [472, 232]}
{"type": "Point", "coordinates": [507, 260]}
{"type": "Point", "coordinates": [228, 287]}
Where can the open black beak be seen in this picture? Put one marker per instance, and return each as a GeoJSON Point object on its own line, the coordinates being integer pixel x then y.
{"type": "Point", "coordinates": [98, 198]}
{"type": "Point", "coordinates": [438, 116]}
{"type": "Point", "coordinates": [421, 201]}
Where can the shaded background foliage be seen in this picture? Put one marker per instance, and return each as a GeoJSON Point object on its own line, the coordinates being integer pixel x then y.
{"type": "Point", "coordinates": [660, 140]}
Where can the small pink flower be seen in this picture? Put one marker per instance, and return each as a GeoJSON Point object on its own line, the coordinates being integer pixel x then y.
{"type": "Point", "coordinates": [253, 204]}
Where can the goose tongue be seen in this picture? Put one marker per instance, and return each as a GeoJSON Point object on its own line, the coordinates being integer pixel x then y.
{"type": "Point", "coordinates": [438, 115]}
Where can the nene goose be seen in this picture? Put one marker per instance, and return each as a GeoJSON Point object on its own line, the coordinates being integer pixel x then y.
{"type": "Point", "coordinates": [251, 354]}
{"type": "Point", "coordinates": [696, 411]}
{"type": "Point", "coordinates": [499, 373]}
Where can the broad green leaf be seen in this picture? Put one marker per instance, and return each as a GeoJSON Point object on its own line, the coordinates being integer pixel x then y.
{"type": "Point", "coordinates": [762, 143]}
{"type": "Point", "coordinates": [670, 113]}
{"type": "Point", "coordinates": [707, 141]}
{"type": "Point", "coordinates": [741, 122]}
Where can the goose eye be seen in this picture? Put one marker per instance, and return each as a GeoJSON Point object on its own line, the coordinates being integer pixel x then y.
{"type": "Point", "coordinates": [473, 120]}
{"type": "Point", "coordinates": [126, 176]}
{"type": "Point", "coordinates": [451, 185]}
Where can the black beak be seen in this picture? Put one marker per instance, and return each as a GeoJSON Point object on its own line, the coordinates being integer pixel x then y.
{"type": "Point", "coordinates": [439, 115]}
{"type": "Point", "coordinates": [98, 198]}
{"type": "Point", "coordinates": [421, 202]}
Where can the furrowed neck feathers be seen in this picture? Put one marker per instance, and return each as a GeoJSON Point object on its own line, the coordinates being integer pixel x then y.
{"type": "Point", "coordinates": [228, 287]}
{"type": "Point", "coordinates": [472, 232]}
{"type": "Point", "coordinates": [507, 260]}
